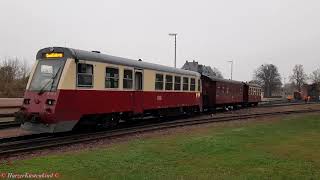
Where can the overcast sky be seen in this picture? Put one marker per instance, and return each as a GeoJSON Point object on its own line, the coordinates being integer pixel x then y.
{"type": "Point", "coordinates": [250, 32]}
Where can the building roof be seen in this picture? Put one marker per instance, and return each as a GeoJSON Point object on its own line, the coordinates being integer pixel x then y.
{"type": "Point", "coordinates": [99, 57]}
{"type": "Point", "coordinates": [202, 69]}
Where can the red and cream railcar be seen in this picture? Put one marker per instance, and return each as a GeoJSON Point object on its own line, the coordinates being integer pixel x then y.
{"type": "Point", "coordinates": [220, 92]}
{"type": "Point", "coordinates": [69, 86]}
{"type": "Point", "coordinates": [252, 94]}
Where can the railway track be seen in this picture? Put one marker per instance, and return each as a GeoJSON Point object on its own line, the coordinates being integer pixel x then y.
{"type": "Point", "coordinates": [14, 145]}
{"type": "Point", "coordinates": [9, 124]}
{"type": "Point", "coordinates": [277, 104]}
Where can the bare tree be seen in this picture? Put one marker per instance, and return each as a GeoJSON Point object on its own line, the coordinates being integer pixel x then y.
{"type": "Point", "coordinates": [217, 72]}
{"type": "Point", "coordinates": [288, 88]}
{"type": "Point", "coordinates": [268, 76]}
{"type": "Point", "coordinates": [299, 77]}
{"type": "Point", "coordinates": [13, 77]}
{"type": "Point", "coordinates": [315, 76]}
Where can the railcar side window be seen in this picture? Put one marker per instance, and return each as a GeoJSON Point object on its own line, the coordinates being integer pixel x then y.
{"type": "Point", "coordinates": [159, 82]}
{"type": "Point", "coordinates": [112, 78]}
{"type": "Point", "coordinates": [169, 82]}
{"type": "Point", "coordinates": [193, 84]}
{"type": "Point", "coordinates": [199, 85]}
{"type": "Point", "coordinates": [84, 75]}
{"type": "Point", "coordinates": [186, 84]}
{"type": "Point", "coordinates": [127, 79]}
{"type": "Point", "coordinates": [177, 83]}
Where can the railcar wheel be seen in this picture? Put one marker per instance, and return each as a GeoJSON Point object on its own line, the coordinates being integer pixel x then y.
{"type": "Point", "coordinates": [109, 122]}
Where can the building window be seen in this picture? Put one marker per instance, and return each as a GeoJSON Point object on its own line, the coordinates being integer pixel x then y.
{"type": "Point", "coordinates": [193, 84]}
{"type": "Point", "coordinates": [159, 82]}
{"type": "Point", "coordinates": [112, 78]}
{"type": "Point", "coordinates": [84, 75]}
{"type": "Point", "coordinates": [199, 86]}
{"type": "Point", "coordinates": [127, 79]}
{"type": "Point", "coordinates": [177, 83]}
{"type": "Point", "coordinates": [169, 82]}
{"type": "Point", "coordinates": [186, 84]}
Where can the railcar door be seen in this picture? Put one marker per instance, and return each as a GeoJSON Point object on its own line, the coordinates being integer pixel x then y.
{"type": "Point", "coordinates": [138, 93]}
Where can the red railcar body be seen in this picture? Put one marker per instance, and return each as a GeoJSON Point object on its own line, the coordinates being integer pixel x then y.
{"type": "Point", "coordinates": [59, 108]}
{"type": "Point", "coordinates": [68, 87]}
{"type": "Point", "coordinates": [71, 105]}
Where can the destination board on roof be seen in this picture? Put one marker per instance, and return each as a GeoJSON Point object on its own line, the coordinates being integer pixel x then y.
{"type": "Point", "coordinates": [53, 55]}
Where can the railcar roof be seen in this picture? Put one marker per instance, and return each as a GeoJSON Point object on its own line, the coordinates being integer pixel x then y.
{"type": "Point", "coordinates": [99, 57]}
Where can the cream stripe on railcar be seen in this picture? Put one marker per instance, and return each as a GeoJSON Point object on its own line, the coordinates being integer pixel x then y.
{"type": "Point", "coordinates": [100, 76]}
{"type": "Point", "coordinates": [150, 81]}
{"type": "Point", "coordinates": [68, 77]}
{"type": "Point", "coordinates": [99, 73]}
{"type": "Point", "coordinates": [31, 74]}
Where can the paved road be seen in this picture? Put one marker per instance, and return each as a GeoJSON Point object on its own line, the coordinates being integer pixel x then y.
{"type": "Point", "coordinates": [10, 101]}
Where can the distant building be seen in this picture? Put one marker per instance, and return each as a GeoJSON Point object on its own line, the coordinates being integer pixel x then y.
{"type": "Point", "coordinates": [202, 69]}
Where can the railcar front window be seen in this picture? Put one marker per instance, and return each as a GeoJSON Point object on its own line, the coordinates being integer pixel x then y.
{"type": "Point", "coordinates": [85, 75]}
{"type": "Point", "coordinates": [46, 75]}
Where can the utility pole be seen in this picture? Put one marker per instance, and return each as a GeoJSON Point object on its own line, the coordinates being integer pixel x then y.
{"type": "Point", "coordinates": [231, 67]}
{"type": "Point", "coordinates": [175, 48]}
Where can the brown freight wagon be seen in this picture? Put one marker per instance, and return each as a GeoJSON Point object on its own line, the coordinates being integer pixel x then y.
{"type": "Point", "coordinates": [221, 93]}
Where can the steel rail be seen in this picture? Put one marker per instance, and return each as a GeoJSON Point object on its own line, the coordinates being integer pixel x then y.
{"type": "Point", "coordinates": [285, 104]}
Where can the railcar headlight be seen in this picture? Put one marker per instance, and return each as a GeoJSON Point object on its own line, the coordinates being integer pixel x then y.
{"type": "Point", "coordinates": [50, 102]}
{"type": "Point", "coordinates": [26, 101]}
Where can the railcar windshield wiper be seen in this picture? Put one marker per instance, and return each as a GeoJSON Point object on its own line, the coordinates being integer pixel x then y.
{"type": "Point", "coordinates": [52, 79]}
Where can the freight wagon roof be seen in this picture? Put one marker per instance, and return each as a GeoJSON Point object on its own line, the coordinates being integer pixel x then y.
{"type": "Point", "coordinates": [253, 85]}
{"type": "Point", "coordinates": [99, 57]}
{"type": "Point", "coordinates": [223, 80]}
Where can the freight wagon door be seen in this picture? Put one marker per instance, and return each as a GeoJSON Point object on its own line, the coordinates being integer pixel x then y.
{"type": "Point", "coordinates": [138, 93]}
